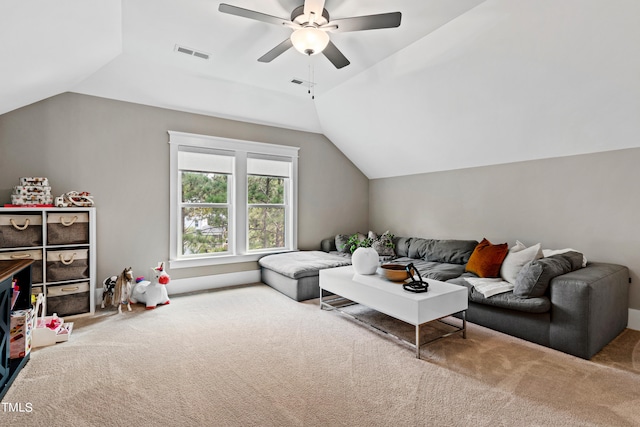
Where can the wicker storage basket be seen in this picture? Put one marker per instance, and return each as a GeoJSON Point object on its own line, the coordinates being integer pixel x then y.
{"type": "Point", "coordinates": [67, 228]}
{"type": "Point", "coordinates": [68, 299]}
{"type": "Point", "coordinates": [34, 254]}
{"type": "Point", "coordinates": [18, 231]}
{"type": "Point", "coordinates": [69, 264]}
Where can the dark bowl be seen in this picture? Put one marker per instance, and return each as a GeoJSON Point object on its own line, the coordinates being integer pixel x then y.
{"type": "Point", "coordinates": [394, 272]}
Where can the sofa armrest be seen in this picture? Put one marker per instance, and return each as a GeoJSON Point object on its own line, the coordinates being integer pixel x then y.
{"type": "Point", "coordinates": [589, 308]}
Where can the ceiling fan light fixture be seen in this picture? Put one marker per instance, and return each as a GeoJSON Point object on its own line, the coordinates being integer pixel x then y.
{"type": "Point", "coordinates": [309, 40]}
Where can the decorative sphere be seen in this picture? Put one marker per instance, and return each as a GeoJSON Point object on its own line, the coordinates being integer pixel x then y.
{"type": "Point", "coordinates": [365, 260]}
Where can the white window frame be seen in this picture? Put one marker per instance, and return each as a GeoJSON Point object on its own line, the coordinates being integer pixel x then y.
{"type": "Point", "coordinates": [238, 229]}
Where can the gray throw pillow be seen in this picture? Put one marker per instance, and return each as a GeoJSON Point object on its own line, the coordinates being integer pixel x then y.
{"type": "Point", "coordinates": [341, 243]}
{"type": "Point", "coordinates": [575, 258]}
{"type": "Point", "coordinates": [534, 278]}
{"type": "Point", "coordinates": [384, 244]}
{"type": "Point", "coordinates": [328, 245]}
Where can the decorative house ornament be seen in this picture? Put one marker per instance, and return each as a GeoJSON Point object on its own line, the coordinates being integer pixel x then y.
{"type": "Point", "coordinates": [365, 260]}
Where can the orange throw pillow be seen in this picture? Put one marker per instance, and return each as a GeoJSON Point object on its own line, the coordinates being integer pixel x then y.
{"type": "Point", "coordinates": [486, 259]}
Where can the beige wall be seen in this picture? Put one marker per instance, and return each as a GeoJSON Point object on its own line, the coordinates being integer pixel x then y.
{"type": "Point", "coordinates": [587, 202]}
{"type": "Point", "coordinates": [118, 151]}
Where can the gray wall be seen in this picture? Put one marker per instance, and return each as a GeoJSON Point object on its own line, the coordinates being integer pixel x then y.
{"type": "Point", "coordinates": [587, 202]}
{"type": "Point", "coordinates": [118, 151]}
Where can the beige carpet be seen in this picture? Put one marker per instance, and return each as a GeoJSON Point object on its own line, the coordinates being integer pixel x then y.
{"type": "Point", "coordinates": [250, 356]}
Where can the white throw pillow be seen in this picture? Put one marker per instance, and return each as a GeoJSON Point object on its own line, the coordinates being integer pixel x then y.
{"type": "Point", "coordinates": [516, 258]}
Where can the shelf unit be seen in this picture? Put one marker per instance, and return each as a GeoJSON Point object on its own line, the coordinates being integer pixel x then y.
{"type": "Point", "coordinates": [21, 270]}
{"type": "Point", "coordinates": [66, 293]}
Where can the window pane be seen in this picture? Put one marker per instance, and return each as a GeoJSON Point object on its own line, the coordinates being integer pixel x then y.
{"type": "Point", "coordinates": [266, 227]}
{"type": "Point", "coordinates": [265, 190]}
{"type": "Point", "coordinates": [203, 187]}
{"type": "Point", "coordinates": [205, 230]}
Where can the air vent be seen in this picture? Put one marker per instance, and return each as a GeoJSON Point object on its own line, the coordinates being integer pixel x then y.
{"type": "Point", "coordinates": [192, 52]}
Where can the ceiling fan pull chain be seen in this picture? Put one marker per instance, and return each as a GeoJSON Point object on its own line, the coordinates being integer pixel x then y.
{"type": "Point", "coordinates": [310, 89]}
{"type": "Point", "coordinates": [309, 77]}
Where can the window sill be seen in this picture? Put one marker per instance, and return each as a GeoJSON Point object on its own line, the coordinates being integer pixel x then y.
{"type": "Point", "coordinates": [220, 259]}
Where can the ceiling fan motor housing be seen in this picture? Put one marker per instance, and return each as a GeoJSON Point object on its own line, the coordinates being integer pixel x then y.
{"type": "Point", "coordinates": [298, 17]}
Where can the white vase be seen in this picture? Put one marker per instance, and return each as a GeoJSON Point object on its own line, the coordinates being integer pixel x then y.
{"type": "Point", "coordinates": [365, 260]}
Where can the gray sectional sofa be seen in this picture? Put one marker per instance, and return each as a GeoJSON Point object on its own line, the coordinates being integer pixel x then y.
{"type": "Point", "coordinates": [578, 310]}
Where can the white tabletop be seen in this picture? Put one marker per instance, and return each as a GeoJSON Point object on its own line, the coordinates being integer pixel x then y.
{"type": "Point", "coordinates": [374, 291]}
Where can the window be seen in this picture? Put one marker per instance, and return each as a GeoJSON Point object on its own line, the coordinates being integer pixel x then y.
{"type": "Point", "coordinates": [231, 200]}
{"type": "Point", "coordinates": [204, 180]}
{"type": "Point", "coordinates": [267, 195]}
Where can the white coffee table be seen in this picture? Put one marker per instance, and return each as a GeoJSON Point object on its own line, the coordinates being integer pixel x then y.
{"type": "Point", "coordinates": [442, 300]}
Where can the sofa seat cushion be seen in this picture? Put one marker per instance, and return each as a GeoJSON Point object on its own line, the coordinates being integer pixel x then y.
{"type": "Point", "coordinates": [505, 300]}
{"type": "Point", "coordinates": [303, 263]}
{"type": "Point", "coordinates": [433, 270]}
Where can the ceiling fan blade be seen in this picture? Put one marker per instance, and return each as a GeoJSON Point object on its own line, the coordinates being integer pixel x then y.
{"type": "Point", "coordinates": [276, 51]}
{"type": "Point", "coordinates": [334, 55]}
{"type": "Point", "coordinates": [370, 22]}
{"type": "Point", "coordinates": [315, 6]}
{"type": "Point", "coordinates": [252, 14]}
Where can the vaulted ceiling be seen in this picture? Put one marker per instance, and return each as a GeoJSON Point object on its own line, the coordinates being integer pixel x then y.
{"type": "Point", "coordinates": [460, 83]}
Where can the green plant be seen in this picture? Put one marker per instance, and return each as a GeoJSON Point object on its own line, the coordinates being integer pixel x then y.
{"type": "Point", "coordinates": [387, 239]}
{"type": "Point", "coordinates": [355, 242]}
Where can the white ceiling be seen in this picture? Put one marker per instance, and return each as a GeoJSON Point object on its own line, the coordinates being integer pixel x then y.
{"type": "Point", "coordinates": [460, 83]}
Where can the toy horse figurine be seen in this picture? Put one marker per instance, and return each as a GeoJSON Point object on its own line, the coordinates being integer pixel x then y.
{"type": "Point", "coordinates": [122, 292]}
{"type": "Point", "coordinates": [152, 294]}
{"type": "Point", "coordinates": [108, 286]}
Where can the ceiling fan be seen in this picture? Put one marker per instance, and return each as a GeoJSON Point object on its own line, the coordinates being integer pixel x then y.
{"type": "Point", "coordinates": [311, 23]}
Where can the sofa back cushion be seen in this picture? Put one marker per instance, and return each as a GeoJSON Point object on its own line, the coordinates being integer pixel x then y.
{"type": "Point", "coordinates": [418, 247]}
{"type": "Point", "coordinates": [449, 251]}
{"type": "Point", "coordinates": [328, 245]}
{"type": "Point", "coordinates": [402, 245]}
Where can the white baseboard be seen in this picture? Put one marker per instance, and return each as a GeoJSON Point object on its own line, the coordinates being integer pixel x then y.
{"type": "Point", "coordinates": [202, 283]}
{"type": "Point", "coordinates": [634, 319]}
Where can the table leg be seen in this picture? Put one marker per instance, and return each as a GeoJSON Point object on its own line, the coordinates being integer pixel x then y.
{"type": "Point", "coordinates": [418, 341]}
{"type": "Point", "coordinates": [464, 324]}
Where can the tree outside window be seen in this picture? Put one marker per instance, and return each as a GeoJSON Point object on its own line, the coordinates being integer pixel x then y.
{"type": "Point", "coordinates": [205, 214]}
{"type": "Point", "coordinates": [267, 213]}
